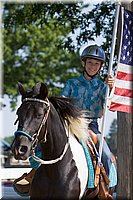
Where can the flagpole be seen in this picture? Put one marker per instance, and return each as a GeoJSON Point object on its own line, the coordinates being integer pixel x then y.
{"type": "Point", "coordinates": [109, 73]}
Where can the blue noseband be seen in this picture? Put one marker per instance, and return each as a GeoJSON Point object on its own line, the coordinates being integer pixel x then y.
{"type": "Point", "coordinates": [23, 133]}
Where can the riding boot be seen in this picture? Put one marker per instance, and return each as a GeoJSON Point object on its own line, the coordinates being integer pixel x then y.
{"type": "Point", "coordinates": [22, 184]}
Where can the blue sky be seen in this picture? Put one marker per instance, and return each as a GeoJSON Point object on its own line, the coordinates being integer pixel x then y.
{"type": "Point", "coordinates": [8, 118]}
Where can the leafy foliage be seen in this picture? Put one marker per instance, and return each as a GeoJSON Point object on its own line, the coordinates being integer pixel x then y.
{"type": "Point", "coordinates": [42, 42]}
{"type": "Point", "coordinates": [9, 139]}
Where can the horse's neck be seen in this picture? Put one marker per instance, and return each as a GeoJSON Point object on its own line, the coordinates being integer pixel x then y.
{"type": "Point", "coordinates": [56, 136]}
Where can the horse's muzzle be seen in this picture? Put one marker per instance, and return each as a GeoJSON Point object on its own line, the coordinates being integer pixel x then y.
{"type": "Point", "coordinates": [21, 148]}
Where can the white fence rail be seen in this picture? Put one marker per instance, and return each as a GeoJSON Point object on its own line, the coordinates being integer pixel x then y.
{"type": "Point", "coordinates": [12, 173]}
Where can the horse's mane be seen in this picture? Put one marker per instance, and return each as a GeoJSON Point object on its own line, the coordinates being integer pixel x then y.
{"type": "Point", "coordinates": [65, 106]}
{"type": "Point", "coordinates": [74, 117]}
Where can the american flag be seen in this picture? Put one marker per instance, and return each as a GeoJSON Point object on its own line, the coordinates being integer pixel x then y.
{"type": "Point", "coordinates": [122, 94]}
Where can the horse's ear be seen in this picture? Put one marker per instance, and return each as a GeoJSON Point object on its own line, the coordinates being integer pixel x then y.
{"type": "Point", "coordinates": [41, 90]}
{"type": "Point", "coordinates": [21, 89]}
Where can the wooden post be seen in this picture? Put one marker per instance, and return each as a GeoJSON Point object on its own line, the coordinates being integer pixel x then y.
{"type": "Point", "coordinates": [125, 157]}
{"type": "Point", "coordinates": [124, 189]}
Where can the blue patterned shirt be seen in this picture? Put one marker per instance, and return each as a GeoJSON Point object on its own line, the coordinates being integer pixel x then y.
{"type": "Point", "coordinates": [89, 94]}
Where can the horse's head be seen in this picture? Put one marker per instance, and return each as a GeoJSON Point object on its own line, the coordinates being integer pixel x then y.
{"type": "Point", "coordinates": [32, 115]}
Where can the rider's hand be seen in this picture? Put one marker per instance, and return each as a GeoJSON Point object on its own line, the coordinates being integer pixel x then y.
{"type": "Point", "coordinates": [110, 81]}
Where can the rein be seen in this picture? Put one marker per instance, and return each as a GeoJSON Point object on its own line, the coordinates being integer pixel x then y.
{"type": "Point", "coordinates": [34, 138]}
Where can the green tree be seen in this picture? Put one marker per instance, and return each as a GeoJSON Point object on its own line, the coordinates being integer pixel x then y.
{"type": "Point", "coordinates": [112, 137]}
{"type": "Point", "coordinates": [9, 139]}
{"type": "Point", "coordinates": [38, 42]}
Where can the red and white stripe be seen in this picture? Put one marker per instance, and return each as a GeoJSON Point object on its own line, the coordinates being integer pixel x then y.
{"type": "Point", "coordinates": [122, 94]}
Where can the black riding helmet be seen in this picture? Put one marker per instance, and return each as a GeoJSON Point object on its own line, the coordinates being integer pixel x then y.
{"type": "Point", "coordinates": [93, 51]}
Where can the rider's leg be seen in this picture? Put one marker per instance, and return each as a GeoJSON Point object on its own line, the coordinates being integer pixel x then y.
{"type": "Point", "coordinates": [93, 126]}
{"type": "Point", "coordinates": [93, 130]}
{"type": "Point", "coordinates": [106, 153]}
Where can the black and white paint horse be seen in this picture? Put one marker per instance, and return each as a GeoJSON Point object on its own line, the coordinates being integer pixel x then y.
{"type": "Point", "coordinates": [57, 126]}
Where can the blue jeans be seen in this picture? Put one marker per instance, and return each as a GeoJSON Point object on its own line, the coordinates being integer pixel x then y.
{"type": "Point", "coordinates": [93, 125]}
{"type": "Point", "coordinates": [106, 153]}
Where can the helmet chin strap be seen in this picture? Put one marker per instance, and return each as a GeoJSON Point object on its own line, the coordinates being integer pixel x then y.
{"type": "Point", "coordinates": [91, 76]}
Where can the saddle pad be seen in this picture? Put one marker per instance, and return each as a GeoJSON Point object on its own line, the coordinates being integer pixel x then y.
{"type": "Point", "coordinates": [112, 176]}
{"type": "Point", "coordinates": [89, 164]}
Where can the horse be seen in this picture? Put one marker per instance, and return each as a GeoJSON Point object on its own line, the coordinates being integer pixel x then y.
{"type": "Point", "coordinates": [57, 126]}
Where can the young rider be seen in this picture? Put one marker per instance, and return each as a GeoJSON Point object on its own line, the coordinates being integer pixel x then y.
{"type": "Point", "coordinates": [87, 89]}
{"type": "Point", "coordinates": [89, 93]}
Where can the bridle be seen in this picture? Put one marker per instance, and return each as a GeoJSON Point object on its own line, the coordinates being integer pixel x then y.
{"type": "Point", "coordinates": [34, 138]}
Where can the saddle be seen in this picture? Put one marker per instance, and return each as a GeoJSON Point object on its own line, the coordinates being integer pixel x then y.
{"type": "Point", "coordinates": [101, 180]}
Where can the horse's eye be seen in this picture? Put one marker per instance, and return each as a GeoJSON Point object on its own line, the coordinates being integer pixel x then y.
{"type": "Point", "coordinates": [40, 114]}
